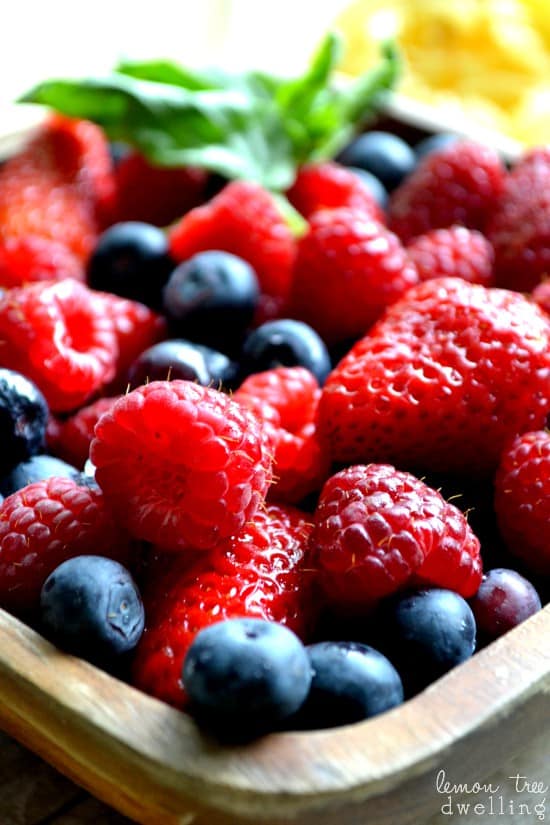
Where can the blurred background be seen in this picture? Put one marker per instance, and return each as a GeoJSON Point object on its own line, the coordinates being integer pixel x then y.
{"type": "Point", "coordinates": [488, 60]}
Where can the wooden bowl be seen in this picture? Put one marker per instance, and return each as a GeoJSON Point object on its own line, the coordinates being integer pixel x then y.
{"type": "Point", "coordinates": [485, 721]}
{"type": "Point", "coordinates": [152, 763]}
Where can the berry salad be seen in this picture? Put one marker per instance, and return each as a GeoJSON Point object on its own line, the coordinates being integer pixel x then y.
{"type": "Point", "coordinates": [274, 392]}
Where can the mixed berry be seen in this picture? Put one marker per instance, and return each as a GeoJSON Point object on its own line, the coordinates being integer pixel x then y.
{"type": "Point", "coordinates": [240, 451]}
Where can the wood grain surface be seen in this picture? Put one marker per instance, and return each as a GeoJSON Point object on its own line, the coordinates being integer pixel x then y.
{"type": "Point", "coordinates": [151, 763]}
{"type": "Point", "coordinates": [33, 793]}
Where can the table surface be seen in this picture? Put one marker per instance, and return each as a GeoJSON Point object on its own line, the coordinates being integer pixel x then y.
{"type": "Point", "coordinates": [33, 793]}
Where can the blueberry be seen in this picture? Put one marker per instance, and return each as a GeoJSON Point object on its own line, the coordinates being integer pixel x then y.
{"type": "Point", "coordinates": [184, 360]}
{"type": "Point", "coordinates": [504, 600]}
{"type": "Point", "coordinates": [223, 371]}
{"type": "Point", "coordinates": [90, 606]}
{"type": "Point", "coordinates": [211, 299]}
{"type": "Point", "coordinates": [428, 632]}
{"type": "Point", "coordinates": [384, 155]}
{"type": "Point", "coordinates": [244, 676]}
{"type": "Point", "coordinates": [350, 682]}
{"type": "Point", "coordinates": [23, 419]}
{"type": "Point", "coordinates": [131, 260]}
{"type": "Point", "coordinates": [286, 343]}
{"type": "Point", "coordinates": [37, 468]}
{"type": "Point", "coordinates": [434, 143]}
{"type": "Point", "coordinates": [375, 187]}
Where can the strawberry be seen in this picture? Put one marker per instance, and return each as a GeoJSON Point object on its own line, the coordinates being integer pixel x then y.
{"type": "Point", "coordinates": [60, 187]}
{"type": "Point", "coordinates": [442, 382]}
{"type": "Point", "coordinates": [70, 440]}
{"type": "Point", "coordinates": [331, 186]}
{"type": "Point", "coordinates": [541, 295]}
{"type": "Point", "coordinates": [286, 399]}
{"type": "Point", "coordinates": [136, 328]}
{"type": "Point", "coordinates": [262, 572]}
{"type": "Point", "coordinates": [349, 268]}
{"type": "Point", "coordinates": [293, 391]}
{"type": "Point", "coordinates": [156, 194]}
{"type": "Point", "coordinates": [32, 258]}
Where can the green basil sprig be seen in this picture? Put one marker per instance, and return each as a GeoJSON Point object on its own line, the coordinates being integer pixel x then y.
{"type": "Point", "coordinates": [251, 126]}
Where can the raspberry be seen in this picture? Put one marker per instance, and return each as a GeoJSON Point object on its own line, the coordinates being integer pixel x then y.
{"type": "Point", "coordinates": [349, 268]}
{"type": "Point", "coordinates": [541, 295]}
{"type": "Point", "coordinates": [60, 187]}
{"type": "Point", "coordinates": [136, 328]}
{"type": "Point", "coordinates": [522, 499]}
{"type": "Point", "coordinates": [23, 260]}
{"type": "Point", "coordinates": [242, 219]}
{"type": "Point", "coordinates": [262, 572]}
{"type": "Point", "coordinates": [44, 524]}
{"type": "Point", "coordinates": [300, 464]}
{"type": "Point", "coordinates": [70, 440]}
{"type": "Point", "coordinates": [459, 184]}
{"type": "Point", "coordinates": [154, 194]}
{"type": "Point", "coordinates": [455, 252]}
{"type": "Point", "coordinates": [520, 227]}
{"type": "Point", "coordinates": [378, 530]}
{"type": "Point", "coordinates": [58, 335]}
{"type": "Point", "coordinates": [442, 382]}
{"type": "Point", "coordinates": [182, 465]}
{"type": "Point", "coordinates": [331, 186]}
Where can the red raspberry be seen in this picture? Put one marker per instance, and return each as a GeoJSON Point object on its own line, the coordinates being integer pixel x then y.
{"type": "Point", "coordinates": [541, 295]}
{"type": "Point", "coordinates": [242, 219]}
{"type": "Point", "coordinates": [442, 382]}
{"type": "Point", "coordinates": [70, 440]}
{"type": "Point", "coordinates": [455, 252]}
{"type": "Point", "coordinates": [459, 184]}
{"type": "Point", "coordinates": [44, 524]}
{"type": "Point", "coordinates": [522, 499]}
{"type": "Point", "coordinates": [60, 187]}
{"type": "Point", "coordinates": [300, 464]}
{"type": "Point", "coordinates": [182, 465]}
{"type": "Point", "coordinates": [154, 194]}
{"type": "Point", "coordinates": [378, 530]}
{"type": "Point", "coordinates": [520, 227]}
{"type": "Point", "coordinates": [348, 269]}
{"type": "Point", "coordinates": [261, 573]}
{"type": "Point", "coordinates": [136, 328]}
{"type": "Point", "coordinates": [59, 336]}
{"type": "Point", "coordinates": [23, 260]}
{"type": "Point", "coordinates": [331, 186]}
{"type": "Point", "coordinates": [293, 391]}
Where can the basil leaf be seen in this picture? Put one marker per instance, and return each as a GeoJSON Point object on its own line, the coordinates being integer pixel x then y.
{"type": "Point", "coordinates": [253, 125]}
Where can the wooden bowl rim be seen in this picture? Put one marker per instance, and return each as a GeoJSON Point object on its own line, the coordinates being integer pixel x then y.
{"type": "Point", "coordinates": [163, 748]}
